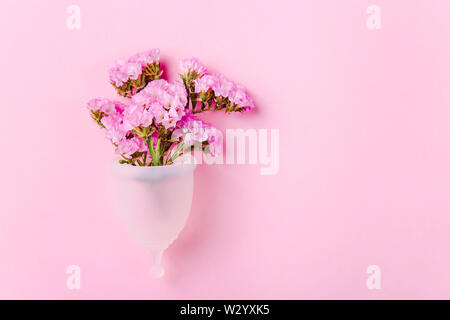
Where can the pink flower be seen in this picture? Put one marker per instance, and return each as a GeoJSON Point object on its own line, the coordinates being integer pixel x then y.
{"type": "Point", "coordinates": [221, 87]}
{"type": "Point", "coordinates": [145, 58]}
{"type": "Point", "coordinates": [118, 74]}
{"type": "Point", "coordinates": [162, 113]}
{"type": "Point", "coordinates": [192, 130]}
{"type": "Point", "coordinates": [240, 97]}
{"type": "Point", "coordinates": [170, 118]}
{"type": "Point", "coordinates": [126, 69]}
{"type": "Point", "coordinates": [207, 82]}
{"type": "Point", "coordinates": [110, 114]}
{"type": "Point", "coordinates": [135, 116]}
{"type": "Point", "coordinates": [127, 147]}
{"type": "Point", "coordinates": [114, 127]}
{"type": "Point", "coordinates": [105, 105]}
{"type": "Point", "coordinates": [160, 101]}
{"type": "Point", "coordinates": [215, 142]}
{"type": "Point", "coordinates": [158, 111]}
{"type": "Point", "coordinates": [133, 70]}
{"type": "Point", "coordinates": [192, 65]}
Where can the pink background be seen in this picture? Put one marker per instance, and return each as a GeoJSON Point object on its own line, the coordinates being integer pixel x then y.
{"type": "Point", "coordinates": [364, 159]}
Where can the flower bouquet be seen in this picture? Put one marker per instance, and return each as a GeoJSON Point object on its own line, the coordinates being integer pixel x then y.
{"type": "Point", "coordinates": [154, 130]}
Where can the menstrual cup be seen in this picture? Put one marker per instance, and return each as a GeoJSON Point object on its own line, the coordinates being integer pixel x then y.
{"type": "Point", "coordinates": [154, 203]}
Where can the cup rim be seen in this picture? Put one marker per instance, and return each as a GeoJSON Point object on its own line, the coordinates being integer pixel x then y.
{"type": "Point", "coordinates": [151, 172]}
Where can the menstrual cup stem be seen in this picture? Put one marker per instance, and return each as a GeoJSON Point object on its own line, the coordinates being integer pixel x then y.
{"type": "Point", "coordinates": [156, 270]}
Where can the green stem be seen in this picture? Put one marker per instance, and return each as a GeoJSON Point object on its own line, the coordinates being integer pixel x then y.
{"type": "Point", "coordinates": [149, 142]}
{"type": "Point", "coordinates": [154, 152]}
{"type": "Point", "coordinates": [177, 152]}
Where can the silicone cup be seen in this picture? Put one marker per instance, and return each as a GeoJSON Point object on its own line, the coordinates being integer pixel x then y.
{"type": "Point", "coordinates": [154, 203]}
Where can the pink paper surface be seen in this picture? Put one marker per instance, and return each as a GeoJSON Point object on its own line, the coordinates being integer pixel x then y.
{"type": "Point", "coordinates": [364, 173]}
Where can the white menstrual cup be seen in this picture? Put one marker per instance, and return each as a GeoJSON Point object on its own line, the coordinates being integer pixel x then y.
{"type": "Point", "coordinates": [154, 203]}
